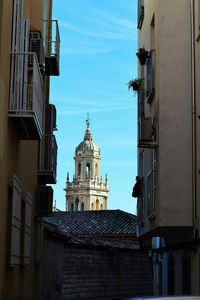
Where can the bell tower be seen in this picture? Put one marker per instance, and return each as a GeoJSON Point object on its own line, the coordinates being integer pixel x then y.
{"type": "Point", "coordinates": [87, 191]}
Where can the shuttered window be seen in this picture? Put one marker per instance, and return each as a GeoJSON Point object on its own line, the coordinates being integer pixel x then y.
{"type": "Point", "coordinates": [26, 238]}
{"type": "Point", "coordinates": [14, 220]}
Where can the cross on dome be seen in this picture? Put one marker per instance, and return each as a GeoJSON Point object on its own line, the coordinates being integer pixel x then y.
{"type": "Point", "coordinates": [88, 121]}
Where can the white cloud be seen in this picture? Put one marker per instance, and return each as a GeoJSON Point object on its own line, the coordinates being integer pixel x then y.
{"type": "Point", "coordinates": [76, 111]}
{"type": "Point", "coordinates": [113, 28]}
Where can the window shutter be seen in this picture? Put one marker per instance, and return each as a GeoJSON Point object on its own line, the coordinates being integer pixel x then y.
{"type": "Point", "coordinates": [15, 222]}
{"type": "Point", "coordinates": [27, 229]}
{"type": "Point", "coordinates": [16, 31]}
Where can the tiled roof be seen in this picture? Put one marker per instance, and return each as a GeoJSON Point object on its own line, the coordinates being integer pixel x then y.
{"type": "Point", "coordinates": [90, 223]}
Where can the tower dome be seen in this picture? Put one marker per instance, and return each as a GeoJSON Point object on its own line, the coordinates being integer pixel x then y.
{"type": "Point", "coordinates": [87, 146]}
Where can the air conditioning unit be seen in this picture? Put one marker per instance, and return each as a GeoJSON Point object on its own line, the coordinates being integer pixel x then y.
{"type": "Point", "coordinates": [44, 201]}
{"type": "Point", "coordinates": [50, 119]}
{"type": "Point", "coordinates": [36, 45]}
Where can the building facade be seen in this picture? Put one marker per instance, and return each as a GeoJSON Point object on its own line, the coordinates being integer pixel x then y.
{"type": "Point", "coordinates": [94, 253]}
{"type": "Point", "coordinates": [169, 141]}
{"type": "Point", "coordinates": [29, 55]}
{"type": "Point", "coordinates": [87, 191]}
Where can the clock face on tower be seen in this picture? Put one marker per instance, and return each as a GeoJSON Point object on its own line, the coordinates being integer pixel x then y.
{"type": "Point", "coordinates": [87, 190]}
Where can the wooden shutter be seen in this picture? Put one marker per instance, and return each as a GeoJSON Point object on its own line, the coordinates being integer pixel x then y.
{"type": "Point", "coordinates": [15, 222]}
{"type": "Point", "coordinates": [27, 229]}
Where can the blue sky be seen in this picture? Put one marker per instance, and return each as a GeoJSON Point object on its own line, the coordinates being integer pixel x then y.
{"type": "Point", "coordinates": [98, 46]}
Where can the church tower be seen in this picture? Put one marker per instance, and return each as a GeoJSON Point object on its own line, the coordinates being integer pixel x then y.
{"type": "Point", "coordinates": [87, 191]}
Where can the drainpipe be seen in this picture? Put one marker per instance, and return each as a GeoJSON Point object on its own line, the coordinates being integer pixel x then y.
{"type": "Point", "coordinates": [194, 142]}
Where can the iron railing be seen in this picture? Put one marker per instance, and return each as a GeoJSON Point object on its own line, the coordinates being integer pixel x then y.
{"type": "Point", "coordinates": [48, 158]}
{"type": "Point", "coordinates": [52, 45]}
{"type": "Point", "coordinates": [26, 88]}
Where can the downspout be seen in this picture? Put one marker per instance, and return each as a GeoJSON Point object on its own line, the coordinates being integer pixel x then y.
{"type": "Point", "coordinates": [193, 96]}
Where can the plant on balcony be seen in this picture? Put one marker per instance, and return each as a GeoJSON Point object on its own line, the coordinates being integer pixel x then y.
{"type": "Point", "coordinates": [134, 84]}
{"type": "Point", "coordinates": [137, 86]}
{"type": "Point", "coordinates": [142, 55]}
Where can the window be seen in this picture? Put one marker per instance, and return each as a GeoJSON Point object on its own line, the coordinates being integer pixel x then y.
{"type": "Point", "coordinates": [14, 222]}
{"type": "Point", "coordinates": [26, 213]}
{"type": "Point", "coordinates": [76, 204]}
{"type": "Point", "coordinates": [92, 206]}
{"type": "Point", "coordinates": [88, 170]}
{"type": "Point", "coordinates": [150, 77]}
{"type": "Point", "coordinates": [96, 169]}
{"type": "Point", "coordinates": [170, 275]}
{"type": "Point", "coordinates": [72, 206]}
{"type": "Point", "coordinates": [140, 13]}
{"type": "Point", "coordinates": [101, 206]}
{"type": "Point", "coordinates": [19, 220]}
{"type": "Point", "coordinates": [145, 131]}
{"type": "Point", "coordinates": [97, 204]}
{"type": "Point", "coordinates": [82, 206]}
{"type": "Point", "coordinates": [186, 273]}
{"type": "Point", "coordinates": [79, 169]}
{"type": "Point", "coordinates": [150, 194]}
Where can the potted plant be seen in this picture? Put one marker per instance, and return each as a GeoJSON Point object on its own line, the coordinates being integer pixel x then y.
{"type": "Point", "coordinates": [142, 55]}
{"type": "Point", "coordinates": [134, 84]}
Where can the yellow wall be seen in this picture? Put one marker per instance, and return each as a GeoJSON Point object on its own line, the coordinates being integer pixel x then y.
{"type": "Point", "coordinates": [18, 158]}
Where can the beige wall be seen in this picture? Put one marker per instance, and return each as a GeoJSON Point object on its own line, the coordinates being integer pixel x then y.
{"type": "Point", "coordinates": [177, 157]}
{"type": "Point", "coordinates": [18, 158]}
{"type": "Point", "coordinates": [172, 105]}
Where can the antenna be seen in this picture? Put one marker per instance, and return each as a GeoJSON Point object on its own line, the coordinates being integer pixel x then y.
{"type": "Point", "coordinates": [88, 121]}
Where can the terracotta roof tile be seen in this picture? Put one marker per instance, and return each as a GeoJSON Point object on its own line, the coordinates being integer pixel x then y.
{"type": "Point", "coordinates": [91, 223]}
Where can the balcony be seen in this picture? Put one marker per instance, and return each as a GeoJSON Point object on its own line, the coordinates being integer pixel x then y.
{"type": "Point", "coordinates": [26, 95]}
{"type": "Point", "coordinates": [140, 13]}
{"type": "Point", "coordinates": [48, 160]}
{"type": "Point", "coordinates": [44, 203]}
{"type": "Point", "coordinates": [52, 47]}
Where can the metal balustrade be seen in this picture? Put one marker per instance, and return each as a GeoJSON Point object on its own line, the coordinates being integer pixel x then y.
{"type": "Point", "coordinates": [52, 47]}
{"type": "Point", "coordinates": [26, 103]}
{"type": "Point", "coordinates": [48, 159]}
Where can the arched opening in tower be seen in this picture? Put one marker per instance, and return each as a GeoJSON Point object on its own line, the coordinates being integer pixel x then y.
{"type": "Point", "coordinates": [79, 169]}
{"type": "Point", "coordinates": [88, 170]}
{"type": "Point", "coordinates": [97, 204]}
{"type": "Point", "coordinates": [96, 170]}
{"type": "Point", "coordinates": [76, 204]}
